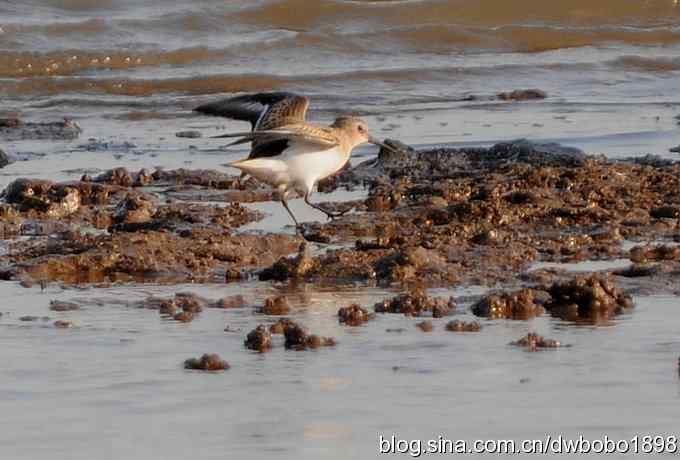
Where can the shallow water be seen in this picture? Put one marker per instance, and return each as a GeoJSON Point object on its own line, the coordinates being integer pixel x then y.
{"type": "Point", "coordinates": [113, 386]}
{"type": "Point", "coordinates": [129, 72]}
{"type": "Point", "coordinates": [125, 68]}
{"type": "Point", "coordinates": [585, 266]}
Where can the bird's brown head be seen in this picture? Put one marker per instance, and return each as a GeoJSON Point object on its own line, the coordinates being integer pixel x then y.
{"type": "Point", "coordinates": [355, 130]}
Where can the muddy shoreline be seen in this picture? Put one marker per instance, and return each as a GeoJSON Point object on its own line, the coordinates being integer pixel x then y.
{"type": "Point", "coordinates": [435, 218]}
{"type": "Point", "coordinates": [458, 272]}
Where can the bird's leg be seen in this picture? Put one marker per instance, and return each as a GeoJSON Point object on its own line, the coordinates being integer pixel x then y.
{"type": "Point", "coordinates": [331, 215]}
{"type": "Point", "coordinates": [284, 202]}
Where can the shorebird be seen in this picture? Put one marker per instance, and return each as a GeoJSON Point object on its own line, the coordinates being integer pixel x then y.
{"type": "Point", "coordinates": [287, 152]}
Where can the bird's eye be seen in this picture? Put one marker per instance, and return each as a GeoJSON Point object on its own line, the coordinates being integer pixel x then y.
{"type": "Point", "coordinates": [360, 128]}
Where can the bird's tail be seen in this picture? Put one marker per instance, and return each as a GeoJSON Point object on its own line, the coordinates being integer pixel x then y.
{"type": "Point", "coordinates": [258, 166]}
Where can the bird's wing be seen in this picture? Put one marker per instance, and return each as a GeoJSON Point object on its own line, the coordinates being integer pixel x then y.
{"type": "Point", "coordinates": [263, 110]}
{"type": "Point", "coordinates": [263, 140]}
{"type": "Point", "coordinates": [265, 148]}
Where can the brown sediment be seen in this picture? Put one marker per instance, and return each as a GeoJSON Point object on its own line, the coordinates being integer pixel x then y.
{"type": "Point", "coordinates": [280, 325]}
{"type": "Point", "coordinates": [62, 324]}
{"type": "Point", "coordinates": [276, 306]}
{"type": "Point", "coordinates": [522, 95]}
{"type": "Point", "coordinates": [191, 134]}
{"type": "Point", "coordinates": [31, 318]}
{"type": "Point", "coordinates": [147, 240]}
{"type": "Point", "coordinates": [463, 326]}
{"type": "Point", "coordinates": [299, 338]}
{"type": "Point", "coordinates": [183, 316]}
{"type": "Point", "coordinates": [522, 304]}
{"type": "Point", "coordinates": [592, 299]}
{"type": "Point", "coordinates": [15, 129]}
{"type": "Point", "coordinates": [207, 362]}
{"type": "Point", "coordinates": [441, 217]}
{"type": "Point", "coordinates": [183, 307]}
{"type": "Point", "coordinates": [354, 315]}
{"type": "Point", "coordinates": [533, 341]}
{"type": "Point", "coordinates": [290, 267]}
{"type": "Point", "coordinates": [234, 301]}
{"type": "Point", "coordinates": [482, 216]}
{"type": "Point", "coordinates": [425, 326]}
{"type": "Point", "coordinates": [168, 308]}
{"type": "Point", "coordinates": [642, 254]}
{"type": "Point", "coordinates": [58, 305]}
{"type": "Point", "coordinates": [415, 303]}
{"type": "Point", "coordinates": [259, 339]}
{"type": "Point", "coordinates": [638, 270]}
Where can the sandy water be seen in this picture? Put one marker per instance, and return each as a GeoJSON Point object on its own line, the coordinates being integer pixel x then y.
{"type": "Point", "coordinates": [129, 74]}
{"type": "Point", "coordinates": [112, 387]}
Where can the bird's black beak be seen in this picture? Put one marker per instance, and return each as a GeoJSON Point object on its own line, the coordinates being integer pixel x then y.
{"type": "Point", "coordinates": [373, 140]}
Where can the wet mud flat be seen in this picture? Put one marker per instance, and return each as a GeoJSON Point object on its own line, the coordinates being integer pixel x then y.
{"type": "Point", "coordinates": [430, 219]}
{"type": "Point", "coordinates": [159, 258]}
{"type": "Point", "coordinates": [437, 218]}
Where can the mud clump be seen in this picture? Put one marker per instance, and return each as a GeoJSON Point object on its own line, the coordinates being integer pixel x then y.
{"type": "Point", "coordinates": [183, 316]}
{"type": "Point", "coordinates": [425, 326]}
{"type": "Point", "coordinates": [638, 270]}
{"type": "Point", "coordinates": [191, 134]}
{"type": "Point", "coordinates": [134, 209]}
{"type": "Point", "coordinates": [58, 305]}
{"type": "Point", "coordinates": [15, 129]}
{"type": "Point", "coordinates": [143, 256]}
{"type": "Point", "coordinates": [665, 212]}
{"type": "Point", "coordinates": [522, 95]}
{"type": "Point", "coordinates": [409, 263]}
{"type": "Point", "coordinates": [207, 362]}
{"type": "Point", "coordinates": [290, 267]}
{"type": "Point", "coordinates": [517, 305]}
{"type": "Point", "coordinates": [590, 299]}
{"type": "Point", "coordinates": [235, 301]}
{"type": "Point", "coordinates": [183, 307]}
{"type": "Point", "coordinates": [354, 315]}
{"type": "Point", "coordinates": [259, 339]}
{"type": "Point", "coordinates": [463, 326]}
{"type": "Point", "coordinates": [642, 254]}
{"type": "Point", "coordinates": [4, 159]}
{"type": "Point", "coordinates": [44, 198]}
{"type": "Point", "coordinates": [280, 326]}
{"type": "Point", "coordinates": [316, 236]}
{"type": "Point", "coordinates": [276, 306]}
{"type": "Point", "coordinates": [168, 307]}
{"type": "Point", "coordinates": [533, 342]}
{"type": "Point", "coordinates": [62, 324]}
{"type": "Point", "coordinates": [415, 303]}
{"type": "Point", "coordinates": [189, 301]}
{"type": "Point", "coordinates": [299, 338]}
{"type": "Point", "coordinates": [30, 318]}
{"type": "Point", "coordinates": [148, 238]}
{"type": "Point", "coordinates": [116, 176]}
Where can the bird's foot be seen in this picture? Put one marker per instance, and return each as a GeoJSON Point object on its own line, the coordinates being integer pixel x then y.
{"type": "Point", "coordinates": [334, 215]}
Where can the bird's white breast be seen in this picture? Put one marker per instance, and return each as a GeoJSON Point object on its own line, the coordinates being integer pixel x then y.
{"type": "Point", "coordinates": [306, 166]}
